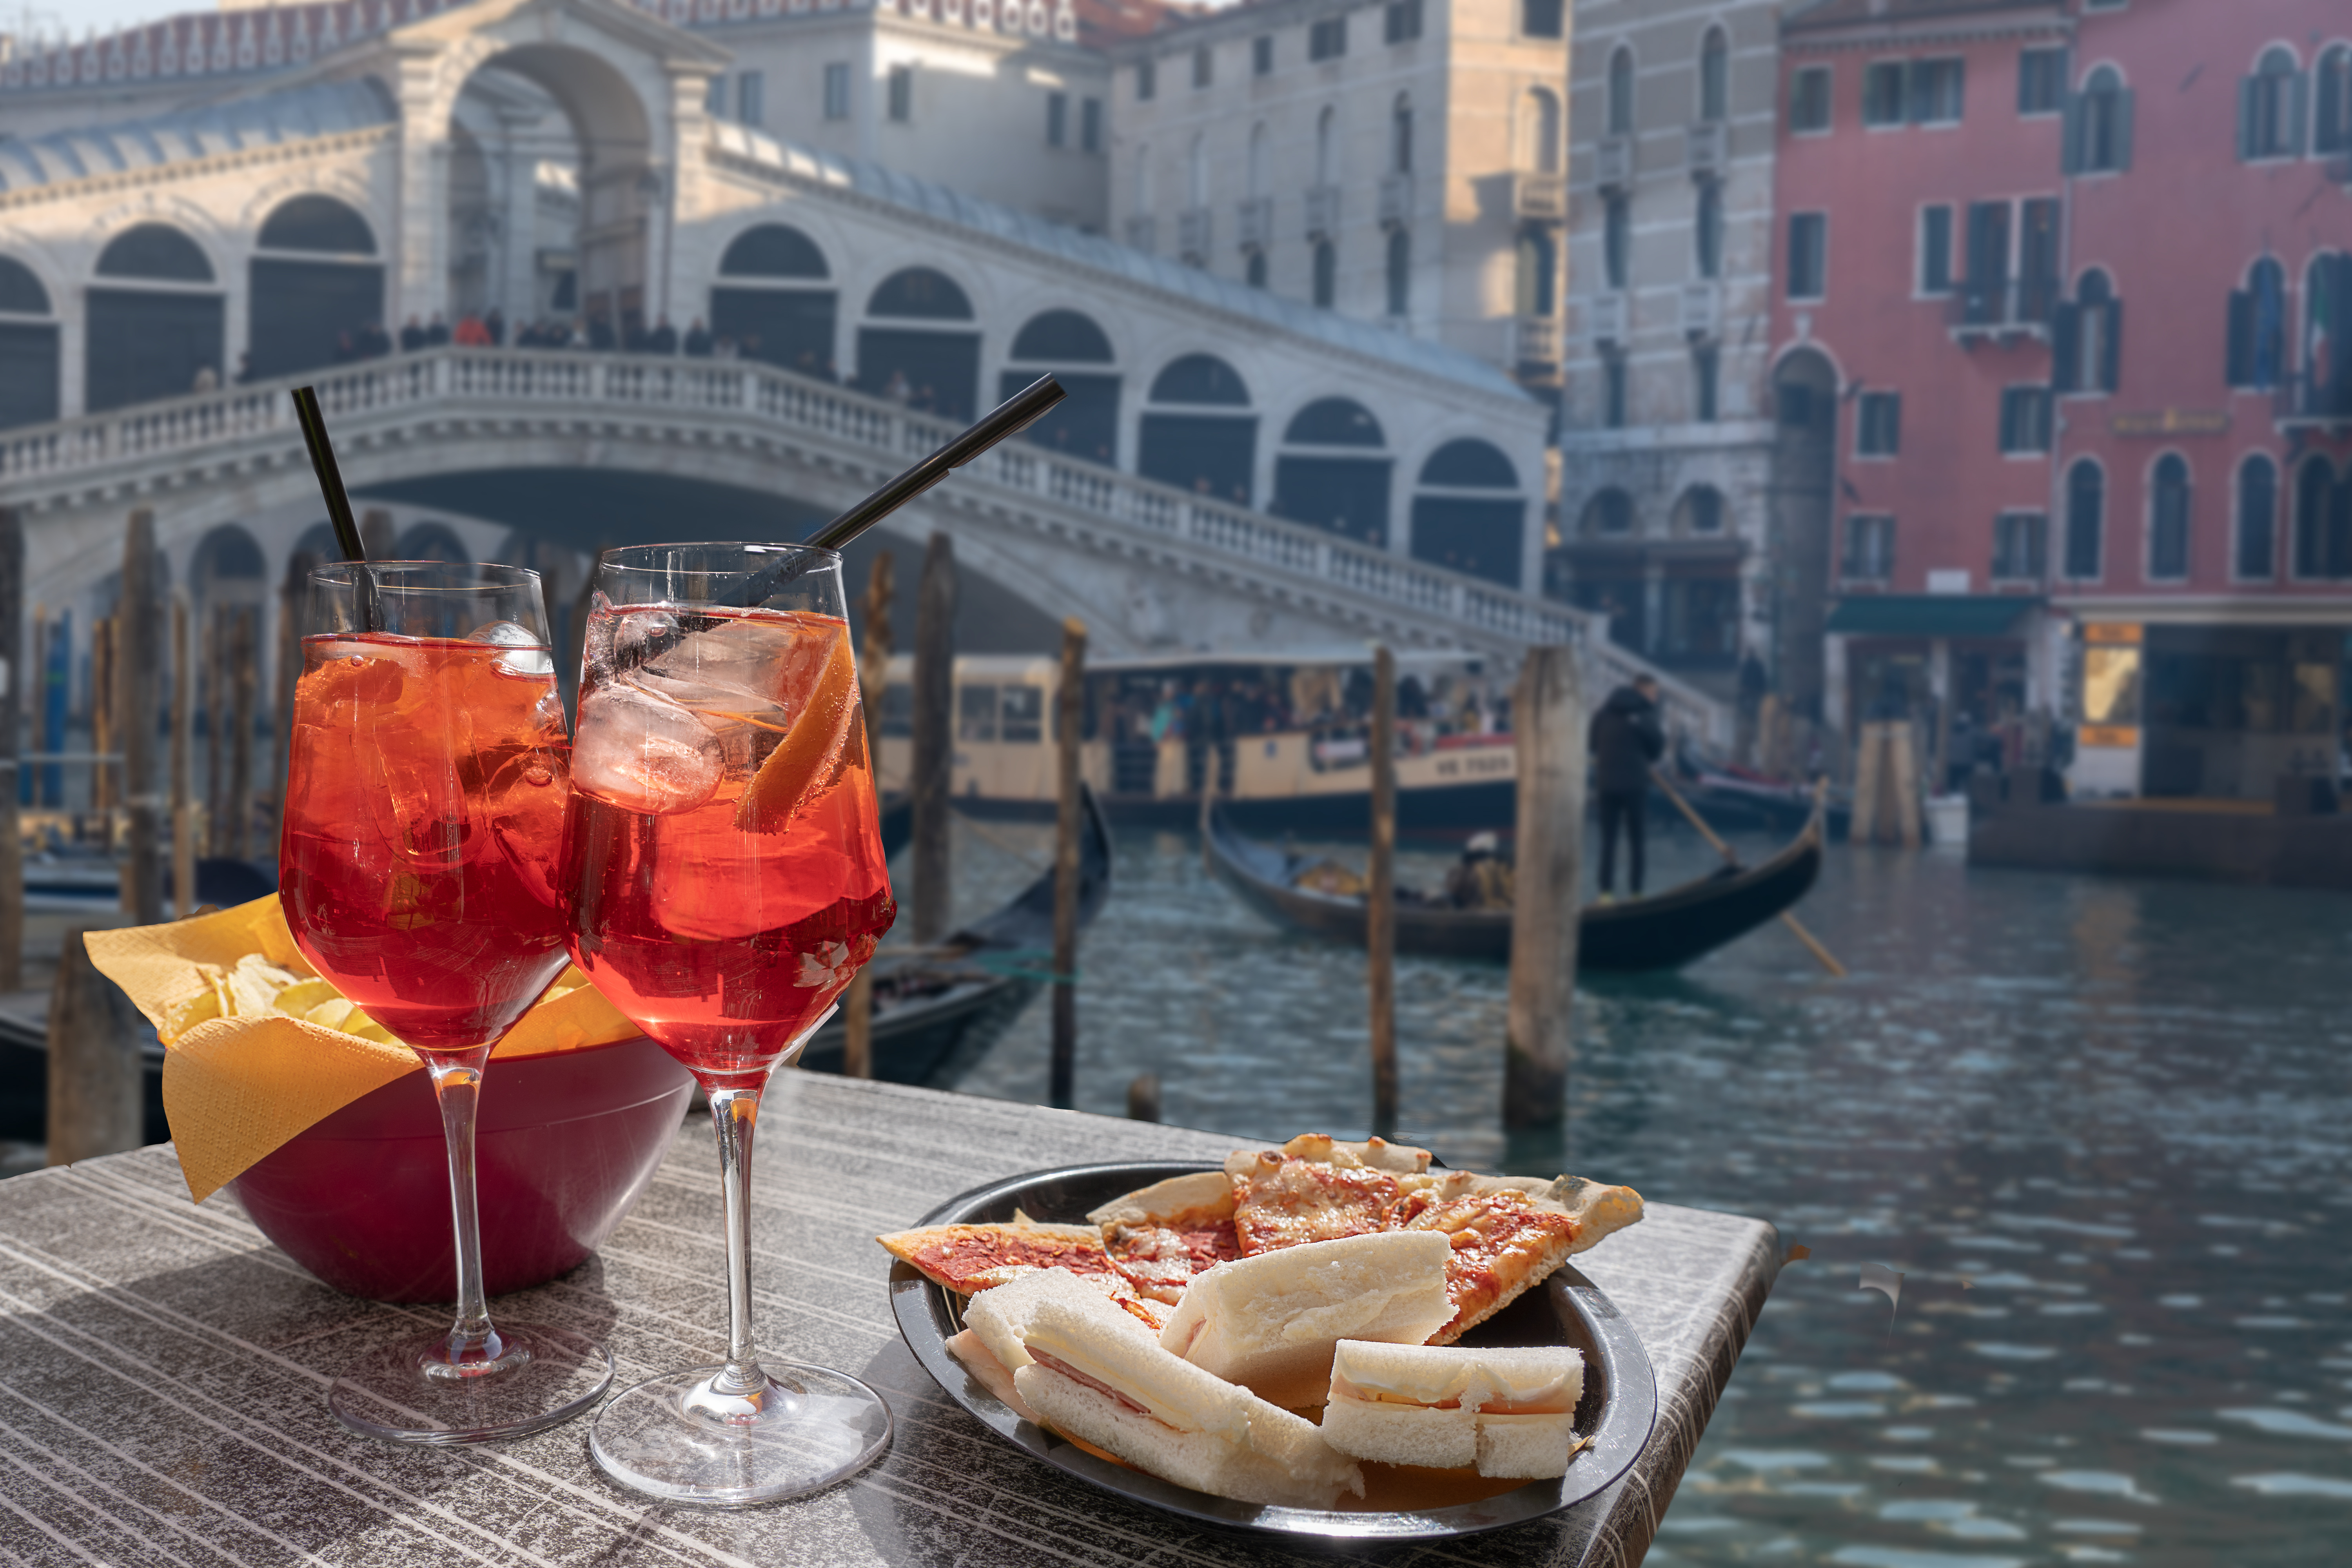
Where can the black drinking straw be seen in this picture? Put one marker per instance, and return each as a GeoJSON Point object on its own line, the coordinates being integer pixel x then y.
{"type": "Point", "coordinates": [339, 503]}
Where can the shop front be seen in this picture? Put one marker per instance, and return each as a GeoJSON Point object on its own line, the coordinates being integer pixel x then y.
{"type": "Point", "coordinates": [1955, 665]}
{"type": "Point", "coordinates": [2215, 711]}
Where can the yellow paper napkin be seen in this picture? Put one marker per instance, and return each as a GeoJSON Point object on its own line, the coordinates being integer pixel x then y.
{"type": "Point", "coordinates": [236, 1088]}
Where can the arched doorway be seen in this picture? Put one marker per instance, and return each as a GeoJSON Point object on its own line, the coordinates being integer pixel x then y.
{"type": "Point", "coordinates": [28, 348]}
{"type": "Point", "coordinates": [1461, 519]}
{"type": "Point", "coordinates": [1212, 455]}
{"type": "Point", "coordinates": [767, 303]}
{"type": "Point", "coordinates": [316, 285]}
{"type": "Point", "coordinates": [154, 321]}
{"type": "Point", "coordinates": [1085, 424]}
{"type": "Point", "coordinates": [928, 369]}
{"type": "Point", "coordinates": [1326, 475]}
{"type": "Point", "coordinates": [1804, 459]}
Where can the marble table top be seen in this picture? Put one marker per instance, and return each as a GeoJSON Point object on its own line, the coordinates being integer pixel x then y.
{"type": "Point", "coordinates": [164, 1370]}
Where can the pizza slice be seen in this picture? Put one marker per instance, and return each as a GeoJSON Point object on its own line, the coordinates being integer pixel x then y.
{"type": "Point", "coordinates": [969, 1258]}
{"type": "Point", "coordinates": [1160, 1236]}
{"type": "Point", "coordinates": [1315, 1189]}
{"type": "Point", "coordinates": [1508, 1238]}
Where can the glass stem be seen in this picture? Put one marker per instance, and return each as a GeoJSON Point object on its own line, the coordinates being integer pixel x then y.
{"type": "Point", "coordinates": [735, 1112]}
{"type": "Point", "coordinates": [457, 1085]}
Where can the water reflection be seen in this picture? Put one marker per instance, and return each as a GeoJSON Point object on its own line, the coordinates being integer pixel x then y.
{"type": "Point", "coordinates": [2100, 1126]}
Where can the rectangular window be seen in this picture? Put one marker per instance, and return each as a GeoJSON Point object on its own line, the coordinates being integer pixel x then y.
{"type": "Point", "coordinates": [1401, 22]}
{"type": "Point", "coordinates": [1869, 549]}
{"type": "Point", "coordinates": [714, 98]}
{"type": "Point", "coordinates": [1262, 55]}
{"type": "Point", "coordinates": [1613, 390]}
{"type": "Point", "coordinates": [1936, 249]}
{"type": "Point", "coordinates": [2024, 420]}
{"type": "Point", "coordinates": [1809, 100]}
{"type": "Point", "coordinates": [750, 97]}
{"type": "Point", "coordinates": [1878, 425]}
{"type": "Point", "coordinates": [836, 90]}
{"type": "Point", "coordinates": [1204, 66]}
{"type": "Point", "coordinates": [1809, 244]}
{"type": "Point", "coordinates": [1057, 120]}
{"type": "Point", "coordinates": [1090, 125]}
{"type": "Point", "coordinates": [1617, 241]}
{"type": "Point", "coordinates": [1935, 93]}
{"type": "Point", "coordinates": [1327, 39]}
{"type": "Point", "coordinates": [1882, 93]}
{"type": "Point", "coordinates": [1707, 378]}
{"type": "Point", "coordinates": [1147, 79]}
{"type": "Point", "coordinates": [2037, 259]}
{"type": "Point", "coordinates": [1541, 19]}
{"type": "Point", "coordinates": [902, 93]}
{"type": "Point", "coordinates": [2018, 539]}
{"type": "Point", "coordinates": [2040, 81]}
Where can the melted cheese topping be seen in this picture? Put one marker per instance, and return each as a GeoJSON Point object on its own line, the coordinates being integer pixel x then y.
{"type": "Point", "coordinates": [1295, 1202]}
{"type": "Point", "coordinates": [1500, 1240]}
{"type": "Point", "coordinates": [975, 1259]}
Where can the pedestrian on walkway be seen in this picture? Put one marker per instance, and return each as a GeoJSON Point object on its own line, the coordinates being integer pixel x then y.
{"type": "Point", "coordinates": [1625, 738]}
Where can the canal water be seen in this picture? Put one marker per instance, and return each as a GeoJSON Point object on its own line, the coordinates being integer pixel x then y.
{"type": "Point", "coordinates": [2102, 1126]}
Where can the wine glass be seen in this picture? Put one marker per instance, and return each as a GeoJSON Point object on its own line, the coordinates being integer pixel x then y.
{"type": "Point", "coordinates": [724, 860]}
{"type": "Point", "coordinates": [424, 808]}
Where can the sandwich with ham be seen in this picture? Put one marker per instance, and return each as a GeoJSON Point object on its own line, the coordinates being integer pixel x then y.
{"type": "Point", "coordinates": [1509, 1412]}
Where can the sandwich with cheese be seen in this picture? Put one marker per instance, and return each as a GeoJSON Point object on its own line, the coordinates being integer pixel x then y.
{"type": "Point", "coordinates": [1271, 1322]}
{"type": "Point", "coordinates": [1091, 1377]}
{"type": "Point", "coordinates": [1509, 1412]}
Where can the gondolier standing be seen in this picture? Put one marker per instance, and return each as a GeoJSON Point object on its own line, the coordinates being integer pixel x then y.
{"type": "Point", "coordinates": [1625, 739]}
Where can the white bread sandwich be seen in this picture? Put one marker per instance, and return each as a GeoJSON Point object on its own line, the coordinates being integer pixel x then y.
{"type": "Point", "coordinates": [1095, 1380]}
{"type": "Point", "coordinates": [990, 1346]}
{"type": "Point", "coordinates": [1270, 1321]}
{"type": "Point", "coordinates": [1506, 1411]}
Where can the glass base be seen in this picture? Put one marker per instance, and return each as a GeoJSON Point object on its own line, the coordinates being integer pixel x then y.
{"type": "Point", "coordinates": [409, 1392]}
{"type": "Point", "coordinates": [678, 1439]}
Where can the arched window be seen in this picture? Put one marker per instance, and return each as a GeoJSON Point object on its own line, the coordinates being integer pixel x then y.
{"type": "Point", "coordinates": [2327, 379]}
{"type": "Point", "coordinates": [921, 293]}
{"type": "Point", "coordinates": [1617, 240]}
{"type": "Point", "coordinates": [1327, 274]}
{"type": "Point", "coordinates": [1714, 78]}
{"type": "Point", "coordinates": [2086, 518]}
{"type": "Point", "coordinates": [2088, 352]}
{"type": "Point", "coordinates": [1344, 489]}
{"type": "Point", "coordinates": [1401, 135]}
{"type": "Point", "coordinates": [1537, 282]}
{"type": "Point", "coordinates": [1621, 92]}
{"type": "Point", "coordinates": [28, 348]}
{"type": "Point", "coordinates": [162, 335]}
{"type": "Point", "coordinates": [1085, 424]}
{"type": "Point", "coordinates": [2257, 346]}
{"type": "Point", "coordinates": [1539, 148]}
{"type": "Point", "coordinates": [772, 250]}
{"type": "Point", "coordinates": [1706, 231]}
{"type": "Point", "coordinates": [764, 304]}
{"type": "Point", "coordinates": [2331, 130]}
{"type": "Point", "coordinates": [2271, 108]}
{"type": "Point", "coordinates": [1400, 271]}
{"type": "Point", "coordinates": [2169, 520]}
{"type": "Point", "coordinates": [2099, 128]}
{"type": "Point", "coordinates": [2254, 558]}
{"type": "Point", "coordinates": [928, 369]}
{"type": "Point", "coordinates": [1212, 455]}
{"type": "Point", "coordinates": [1699, 511]}
{"type": "Point", "coordinates": [1609, 514]}
{"type": "Point", "coordinates": [1458, 519]}
{"type": "Point", "coordinates": [313, 307]}
{"type": "Point", "coordinates": [2323, 520]}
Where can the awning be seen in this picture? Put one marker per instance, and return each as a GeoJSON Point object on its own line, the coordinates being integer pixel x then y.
{"type": "Point", "coordinates": [1929, 615]}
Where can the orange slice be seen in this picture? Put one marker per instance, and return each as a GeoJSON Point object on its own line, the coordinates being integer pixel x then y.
{"type": "Point", "coordinates": [810, 749]}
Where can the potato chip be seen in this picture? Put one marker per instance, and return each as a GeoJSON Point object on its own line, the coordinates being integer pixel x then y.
{"type": "Point", "coordinates": [332, 1013]}
{"type": "Point", "coordinates": [297, 999]}
{"type": "Point", "coordinates": [186, 1015]}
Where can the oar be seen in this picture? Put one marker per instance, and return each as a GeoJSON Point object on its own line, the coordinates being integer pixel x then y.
{"type": "Point", "coordinates": [1812, 943]}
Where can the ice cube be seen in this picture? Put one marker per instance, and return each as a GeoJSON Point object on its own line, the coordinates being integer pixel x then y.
{"type": "Point", "coordinates": [642, 753]}
{"type": "Point", "coordinates": [531, 658]}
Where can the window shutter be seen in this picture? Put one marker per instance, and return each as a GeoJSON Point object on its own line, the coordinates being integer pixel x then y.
{"type": "Point", "coordinates": [2070, 134]}
{"type": "Point", "coordinates": [2066, 347]}
{"type": "Point", "coordinates": [2245, 118]}
{"type": "Point", "coordinates": [2123, 128]}
{"type": "Point", "coordinates": [2240, 370]}
{"type": "Point", "coordinates": [2298, 115]}
{"type": "Point", "coordinates": [2111, 359]}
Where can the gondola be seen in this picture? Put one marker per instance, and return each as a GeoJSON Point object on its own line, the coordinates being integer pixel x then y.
{"type": "Point", "coordinates": [952, 1001]}
{"type": "Point", "coordinates": [1663, 930]}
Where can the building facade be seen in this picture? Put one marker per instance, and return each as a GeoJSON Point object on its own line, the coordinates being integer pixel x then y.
{"type": "Point", "coordinates": [1665, 517]}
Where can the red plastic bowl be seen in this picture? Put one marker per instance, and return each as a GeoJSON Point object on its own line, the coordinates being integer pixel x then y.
{"type": "Point", "coordinates": [565, 1145]}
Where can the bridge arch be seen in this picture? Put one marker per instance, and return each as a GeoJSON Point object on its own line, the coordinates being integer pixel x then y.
{"type": "Point", "coordinates": [1210, 454]}
{"type": "Point", "coordinates": [769, 299]}
{"type": "Point", "coordinates": [1331, 471]}
{"type": "Point", "coordinates": [1467, 513]}
{"type": "Point", "coordinates": [932, 367]}
{"type": "Point", "coordinates": [317, 281]}
{"type": "Point", "coordinates": [1074, 348]}
{"type": "Point", "coordinates": [28, 347]}
{"type": "Point", "coordinates": [154, 318]}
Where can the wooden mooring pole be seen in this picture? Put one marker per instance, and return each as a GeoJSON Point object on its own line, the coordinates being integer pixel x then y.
{"type": "Point", "coordinates": [1069, 712]}
{"type": "Point", "coordinates": [94, 1067]}
{"type": "Point", "coordinates": [18, 678]}
{"type": "Point", "coordinates": [1548, 742]}
{"type": "Point", "coordinates": [183, 807]}
{"type": "Point", "coordinates": [1380, 895]}
{"type": "Point", "coordinates": [872, 683]}
{"type": "Point", "coordinates": [935, 605]}
{"type": "Point", "coordinates": [139, 666]}
{"type": "Point", "coordinates": [245, 690]}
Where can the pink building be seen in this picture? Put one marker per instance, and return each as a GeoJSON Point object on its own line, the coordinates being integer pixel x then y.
{"type": "Point", "coordinates": [2060, 288]}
